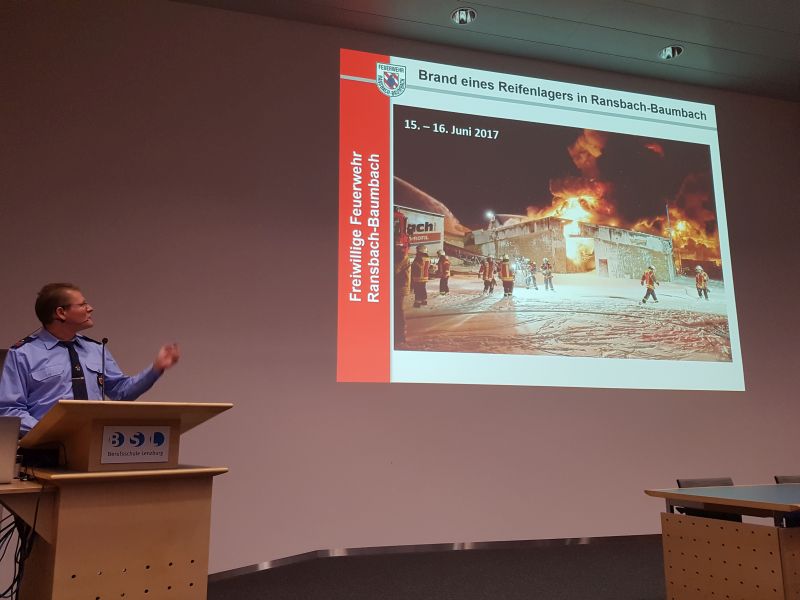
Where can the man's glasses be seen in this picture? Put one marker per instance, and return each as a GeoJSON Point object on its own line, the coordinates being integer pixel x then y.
{"type": "Point", "coordinates": [81, 305]}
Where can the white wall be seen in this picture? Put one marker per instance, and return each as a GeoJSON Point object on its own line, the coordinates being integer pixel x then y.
{"type": "Point", "coordinates": [164, 156]}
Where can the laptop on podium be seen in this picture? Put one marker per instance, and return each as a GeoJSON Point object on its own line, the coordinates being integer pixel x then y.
{"type": "Point", "coordinates": [9, 437]}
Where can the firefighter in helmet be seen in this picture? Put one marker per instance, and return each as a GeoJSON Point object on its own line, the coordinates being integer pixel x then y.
{"type": "Point", "coordinates": [486, 272]}
{"type": "Point", "coordinates": [402, 280]}
{"type": "Point", "coordinates": [420, 273]}
{"type": "Point", "coordinates": [701, 282]}
{"type": "Point", "coordinates": [507, 276]}
{"type": "Point", "coordinates": [649, 279]}
{"type": "Point", "coordinates": [530, 279]}
{"type": "Point", "coordinates": [547, 273]}
{"type": "Point", "coordinates": [443, 270]}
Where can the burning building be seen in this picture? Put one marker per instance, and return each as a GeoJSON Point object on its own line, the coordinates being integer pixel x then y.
{"type": "Point", "coordinates": [625, 203]}
{"type": "Point", "coordinates": [577, 247]}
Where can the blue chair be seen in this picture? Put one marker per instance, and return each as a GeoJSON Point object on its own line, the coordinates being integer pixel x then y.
{"type": "Point", "coordinates": [787, 478]}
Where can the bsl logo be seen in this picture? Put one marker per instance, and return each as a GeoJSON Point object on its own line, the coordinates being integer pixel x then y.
{"type": "Point", "coordinates": [391, 79]}
{"type": "Point", "coordinates": [118, 439]}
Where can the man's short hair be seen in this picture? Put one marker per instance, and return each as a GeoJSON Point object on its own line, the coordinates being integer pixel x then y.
{"type": "Point", "coordinates": [50, 297]}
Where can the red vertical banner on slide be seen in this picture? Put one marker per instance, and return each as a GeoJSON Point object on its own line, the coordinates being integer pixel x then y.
{"type": "Point", "coordinates": [365, 218]}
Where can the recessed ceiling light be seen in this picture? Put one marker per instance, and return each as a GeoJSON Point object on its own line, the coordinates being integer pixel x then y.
{"type": "Point", "coordinates": [463, 16]}
{"type": "Point", "coordinates": [670, 52]}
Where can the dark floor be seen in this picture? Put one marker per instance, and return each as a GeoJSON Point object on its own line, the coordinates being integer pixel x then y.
{"type": "Point", "coordinates": [619, 568]}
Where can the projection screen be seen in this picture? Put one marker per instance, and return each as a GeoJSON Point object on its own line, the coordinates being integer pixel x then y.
{"type": "Point", "coordinates": [501, 229]}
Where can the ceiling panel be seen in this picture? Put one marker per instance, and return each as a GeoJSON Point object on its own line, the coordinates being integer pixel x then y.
{"type": "Point", "coordinates": [776, 15]}
{"type": "Point", "coordinates": [741, 45]}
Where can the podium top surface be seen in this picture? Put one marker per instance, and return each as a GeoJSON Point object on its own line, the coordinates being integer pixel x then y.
{"type": "Point", "coordinates": [68, 416]}
{"type": "Point", "coordinates": [15, 486]}
{"type": "Point", "coordinates": [65, 476]}
{"type": "Point", "coordinates": [783, 497]}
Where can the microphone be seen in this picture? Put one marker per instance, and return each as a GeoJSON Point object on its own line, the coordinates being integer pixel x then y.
{"type": "Point", "coordinates": [103, 371]}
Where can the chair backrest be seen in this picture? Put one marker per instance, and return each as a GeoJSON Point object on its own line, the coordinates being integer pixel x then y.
{"type": "Point", "coordinates": [3, 352]}
{"type": "Point", "coordinates": [706, 482]}
{"type": "Point", "coordinates": [787, 478]}
{"type": "Point", "coordinates": [708, 514]}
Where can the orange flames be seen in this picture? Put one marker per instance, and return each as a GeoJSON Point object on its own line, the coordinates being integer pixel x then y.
{"type": "Point", "coordinates": [589, 199]}
{"type": "Point", "coordinates": [689, 238]}
{"type": "Point", "coordinates": [693, 226]}
{"type": "Point", "coordinates": [657, 148]}
{"type": "Point", "coordinates": [578, 199]}
{"type": "Point", "coordinates": [586, 150]}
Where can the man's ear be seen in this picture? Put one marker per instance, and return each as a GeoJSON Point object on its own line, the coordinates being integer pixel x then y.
{"type": "Point", "coordinates": [60, 314]}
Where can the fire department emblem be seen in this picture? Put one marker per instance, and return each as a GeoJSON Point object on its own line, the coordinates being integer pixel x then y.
{"type": "Point", "coordinates": [391, 79]}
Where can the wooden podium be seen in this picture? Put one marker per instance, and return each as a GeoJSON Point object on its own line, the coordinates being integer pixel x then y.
{"type": "Point", "coordinates": [124, 520]}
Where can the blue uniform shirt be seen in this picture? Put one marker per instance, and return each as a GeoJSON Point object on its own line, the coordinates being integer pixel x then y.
{"type": "Point", "coordinates": [37, 374]}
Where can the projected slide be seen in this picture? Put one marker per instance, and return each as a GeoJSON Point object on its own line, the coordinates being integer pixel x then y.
{"type": "Point", "coordinates": [498, 229]}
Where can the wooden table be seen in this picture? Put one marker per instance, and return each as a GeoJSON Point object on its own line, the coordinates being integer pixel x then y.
{"type": "Point", "coordinates": [121, 534]}
{"type": "Point", "coordinates": [22, 498]}
{"type": "Point", "coordinates": [715, 559]}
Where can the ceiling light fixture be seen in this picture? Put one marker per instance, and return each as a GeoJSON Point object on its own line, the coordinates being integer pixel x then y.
{"type": "Point", "coordinates": [670, 52]}
{"type": "Point", "coordinates": [463, 16]}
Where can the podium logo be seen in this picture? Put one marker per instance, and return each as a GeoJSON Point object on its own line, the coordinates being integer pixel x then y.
{"type": "Point", "coordinates": [135, 444]}
{"type": "Point", "coordinates": [118, 439]}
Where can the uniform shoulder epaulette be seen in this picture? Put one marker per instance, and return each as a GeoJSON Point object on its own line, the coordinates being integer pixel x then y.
{"type": "Point", "coordinates": [23, 341]}
{"type": "Point", "coordinates": [88, 339]}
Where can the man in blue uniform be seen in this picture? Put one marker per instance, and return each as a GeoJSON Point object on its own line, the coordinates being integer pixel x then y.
{"type": "Point", "coordinates": [56, 363]}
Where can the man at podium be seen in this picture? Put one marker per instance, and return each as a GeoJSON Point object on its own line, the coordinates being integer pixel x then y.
{"type": "Point", "coordinates": [55, 362]}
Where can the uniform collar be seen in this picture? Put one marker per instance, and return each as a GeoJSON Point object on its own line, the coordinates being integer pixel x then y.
{"type": "Point", "coordinates": [51, 341]}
